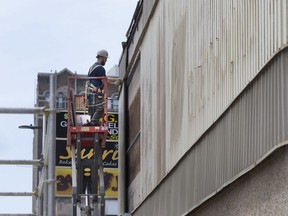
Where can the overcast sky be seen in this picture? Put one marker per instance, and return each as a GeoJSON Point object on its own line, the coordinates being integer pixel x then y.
{"type": "Point", "coordinates": [43, 36]}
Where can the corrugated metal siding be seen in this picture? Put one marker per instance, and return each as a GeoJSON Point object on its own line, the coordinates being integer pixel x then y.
{"type": "Point", "coordinates": [206, 53]}
{"type": "Point", "coordinates": [145, 8]}
{"type": "Point", "coordinates": [253, 126]}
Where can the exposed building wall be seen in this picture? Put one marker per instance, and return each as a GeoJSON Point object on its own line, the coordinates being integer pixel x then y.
{"type": "Point", "coordinates": [196, 58]}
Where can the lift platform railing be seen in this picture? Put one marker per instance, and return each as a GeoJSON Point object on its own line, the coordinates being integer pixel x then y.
{"type": "Point", "coordinates": [85, 178]}
{"type": "Point", "coordinates": [78, 106]}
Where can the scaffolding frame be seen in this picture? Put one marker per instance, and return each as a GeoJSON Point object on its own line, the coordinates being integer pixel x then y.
{"type": "Point", "coordinates": [45, 191]}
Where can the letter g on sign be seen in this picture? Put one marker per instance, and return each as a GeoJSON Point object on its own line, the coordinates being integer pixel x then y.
{"type": "Point", "coordinates": [63, 123]}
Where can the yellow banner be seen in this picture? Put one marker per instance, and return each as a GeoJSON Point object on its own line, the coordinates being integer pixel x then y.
{"type": "Point", "coordinates": [64, 182]}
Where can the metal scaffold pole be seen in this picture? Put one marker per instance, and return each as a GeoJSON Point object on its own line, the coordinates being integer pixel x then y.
{"type": "Point", "coordinates": [16, 194]}
{"type": "Point", "coordinates": [35, 110]}
{"type": "Point", "coordinates": [22, 162]}
{"type": "Point", "coordinates": [51, 149]}
{"type": "Point", "coordinates": [42, 187]}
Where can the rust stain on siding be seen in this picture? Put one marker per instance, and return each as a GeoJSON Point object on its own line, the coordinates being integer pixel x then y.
{"type": "Point", "coordinates": [177, 76]}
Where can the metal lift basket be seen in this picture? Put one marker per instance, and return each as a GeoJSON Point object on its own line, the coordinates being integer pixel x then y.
{"type": "Point", "coordinates": [87, 174]}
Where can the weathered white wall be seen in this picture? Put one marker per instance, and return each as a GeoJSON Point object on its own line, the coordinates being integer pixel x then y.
{"type": "Point", "coordinates": [196, 58]}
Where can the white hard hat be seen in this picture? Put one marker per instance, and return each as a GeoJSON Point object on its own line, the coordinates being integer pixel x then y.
{"type": "Point", "coordinates": [102, 53]}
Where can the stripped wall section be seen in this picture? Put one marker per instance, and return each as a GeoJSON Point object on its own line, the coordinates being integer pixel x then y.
{"type": "Point", "coordinates": [254, 126]}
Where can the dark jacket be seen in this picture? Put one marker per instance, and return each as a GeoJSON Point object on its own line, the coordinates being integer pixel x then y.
{"type": "Point", "coordinates": [97, 70]}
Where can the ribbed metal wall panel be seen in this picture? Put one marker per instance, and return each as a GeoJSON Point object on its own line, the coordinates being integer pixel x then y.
{"type": "Point", "coordinates": [252, 128]}
{"type": "Point", "coordinates": [212, 47]}
{"type": "Point", "coordinates": [196, 58]}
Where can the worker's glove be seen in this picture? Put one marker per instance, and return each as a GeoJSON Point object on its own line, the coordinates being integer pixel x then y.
{"type": "Point", "coordinates": [94, 89]}
{"type": "Point", "coordinates": [118, 82]}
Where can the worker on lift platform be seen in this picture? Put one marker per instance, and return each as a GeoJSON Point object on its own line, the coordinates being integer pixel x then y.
{"type": "Point", "coordinates": [95, 88]}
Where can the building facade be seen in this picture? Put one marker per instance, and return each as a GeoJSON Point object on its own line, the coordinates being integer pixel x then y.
{"type": "Point", "coordinates": [204, 96]}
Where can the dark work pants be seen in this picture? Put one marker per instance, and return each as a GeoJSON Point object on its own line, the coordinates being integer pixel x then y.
{"type": "Point", "coordinates": [96, 107]}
